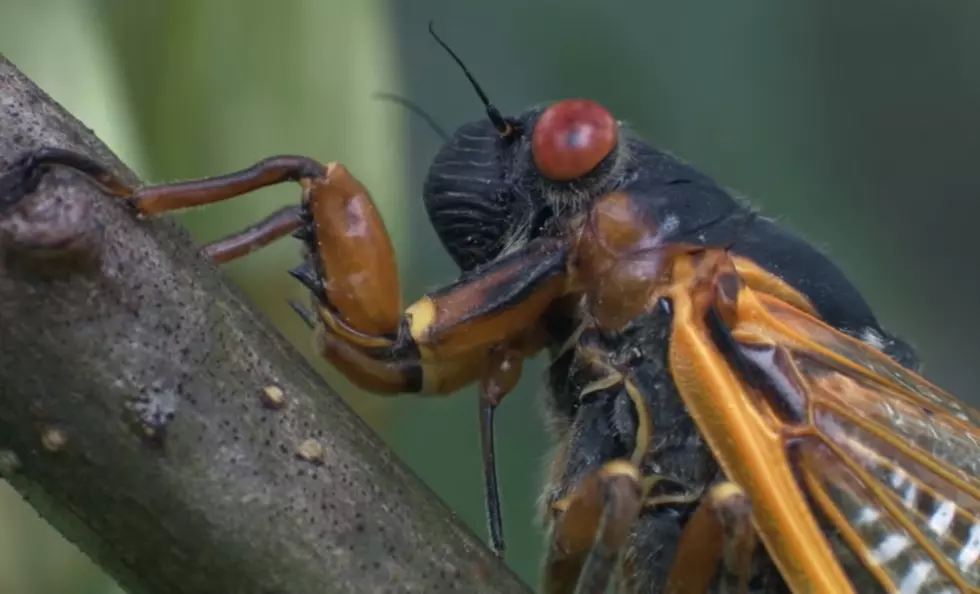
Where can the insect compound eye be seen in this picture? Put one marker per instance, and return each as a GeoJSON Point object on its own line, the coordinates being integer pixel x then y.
{"type": "Point", "coordinates": [571, 138]}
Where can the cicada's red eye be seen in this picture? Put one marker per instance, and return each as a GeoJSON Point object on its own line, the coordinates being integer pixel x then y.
{"type": "Point", "coordinates": [571, 138]}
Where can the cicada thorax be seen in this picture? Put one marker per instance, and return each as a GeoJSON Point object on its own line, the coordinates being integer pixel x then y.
{"type": "Point", "coordinates": [595, 419]}
{"type": "Point", "coordinates": [633, 249]}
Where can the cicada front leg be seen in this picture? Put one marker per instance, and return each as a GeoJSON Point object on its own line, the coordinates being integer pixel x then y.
{"type": "Point", "coordinates": [476, 330]}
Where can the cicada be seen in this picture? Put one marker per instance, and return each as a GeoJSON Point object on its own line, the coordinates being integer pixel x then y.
{"type": "Point", "coordinates": [729, 414]}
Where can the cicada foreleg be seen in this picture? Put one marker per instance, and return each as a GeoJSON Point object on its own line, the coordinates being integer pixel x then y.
{"type": "Point", "coordinates": [478, 329]}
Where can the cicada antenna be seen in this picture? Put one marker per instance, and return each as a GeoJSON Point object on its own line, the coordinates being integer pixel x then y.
{"type": "Point", "coordinates": [498, 120]}
{"type": "Point", "coordinates": [414, 108]}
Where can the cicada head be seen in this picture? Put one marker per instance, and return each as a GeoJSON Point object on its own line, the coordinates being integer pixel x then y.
{"type": "Point", "coordinates": [492, 187]}
{"type": "Point", "coordinates": [468, 197]}
{"type": "Point", "coordinates": [499, 182]}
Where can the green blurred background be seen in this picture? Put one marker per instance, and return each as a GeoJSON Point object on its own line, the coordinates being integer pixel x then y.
{"type": "Point", "coordinates": [858, 123]}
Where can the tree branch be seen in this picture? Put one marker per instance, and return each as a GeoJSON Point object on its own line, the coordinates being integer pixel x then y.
{"type": "Point", "coordinates": [132, 417]}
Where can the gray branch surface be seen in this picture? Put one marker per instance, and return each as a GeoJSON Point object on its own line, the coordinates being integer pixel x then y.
{"type": "Point", "coordinates": [132, 418]}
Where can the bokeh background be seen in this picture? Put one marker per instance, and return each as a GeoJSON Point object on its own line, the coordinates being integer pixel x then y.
{"type": "Point", "coordinates": [857, 122]}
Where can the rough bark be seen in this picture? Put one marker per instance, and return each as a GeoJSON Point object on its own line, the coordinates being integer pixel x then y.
{"type": "Point", "coordinates": [132, 414]}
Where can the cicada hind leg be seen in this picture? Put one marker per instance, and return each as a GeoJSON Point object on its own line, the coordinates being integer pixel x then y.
{"type": "Point", "coordinates": [593, 509]}
{"type": "Point", "coordinates": [590, 528]}
{"type": "Point", "coordinates": [717, 546]}
{"type": "Point", "coordinates": [614, 523]}
{"type": "Point", "coordinates": [594, 531]}
{"type": "Point", "coordinates": [476, 330]}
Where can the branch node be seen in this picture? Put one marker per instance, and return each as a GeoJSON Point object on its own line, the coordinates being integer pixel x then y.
{"type": "Point", "coordinates": [47, 226]}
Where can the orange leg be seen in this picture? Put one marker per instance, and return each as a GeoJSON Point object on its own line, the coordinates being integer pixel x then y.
{"type": "Point", "coordinates": [591, 525]}
{"type": "Point", "coordinates": [719, 537]}
{"type": "Point", "coordinates": [285, 220]}
{"type": "Point", "coordinates": [478, 329]}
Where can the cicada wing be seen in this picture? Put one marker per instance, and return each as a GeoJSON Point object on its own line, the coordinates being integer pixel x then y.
{"type": "Point", "coordinates": [888, 458]}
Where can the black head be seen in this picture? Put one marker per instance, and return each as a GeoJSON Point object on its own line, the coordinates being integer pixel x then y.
{"type": "Point", "coordinates": [487, 192]}
{"type": "Point", "coordinates": [498, 182]}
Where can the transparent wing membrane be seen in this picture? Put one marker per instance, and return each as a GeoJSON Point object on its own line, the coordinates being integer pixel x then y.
{"type": "Point", "coordinates": [889, 459]}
